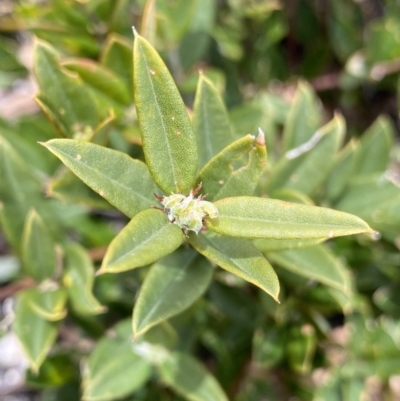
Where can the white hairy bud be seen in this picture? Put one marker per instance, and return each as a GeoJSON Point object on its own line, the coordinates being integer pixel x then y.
{"type": "Point", "coordinates": [188, 212]}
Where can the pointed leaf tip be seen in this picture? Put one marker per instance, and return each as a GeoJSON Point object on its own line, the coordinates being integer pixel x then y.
{"type": "Point", "coordinates": [134, 31]}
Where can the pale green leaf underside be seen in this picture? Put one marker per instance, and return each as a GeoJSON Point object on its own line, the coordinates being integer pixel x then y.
{"type": "Point", "coordinates": [251, 217]}
{"type": "Point", "coordinates": [122, 181]}
{"type": "Point", "coordinates": [169, 143]}
{"type": "Point", "coordinates": [149, 236]}
{"type": "Point", "coordinates": [170, 287]}
{"type": "Point", "coordinates": [239, 257]}
{"type": "Point", "coordinates": [188, 378]}
{"type": "Point", "coordinates": [124, 373]}
{"type": "Point", "coordinates": [78, 280]}
{"type": "Point", "coordinates": [316, 263]}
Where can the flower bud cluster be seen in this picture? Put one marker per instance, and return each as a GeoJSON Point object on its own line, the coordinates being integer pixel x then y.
{"type": "Point", "coordinates": [188, 212]}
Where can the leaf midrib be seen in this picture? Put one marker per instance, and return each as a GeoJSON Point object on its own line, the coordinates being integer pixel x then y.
{"type": "Point", "coordinates": [167, 145]}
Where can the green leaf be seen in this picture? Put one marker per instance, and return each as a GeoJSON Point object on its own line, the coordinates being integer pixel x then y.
{"type": "Point", "coordinates": [306, 167]}
{"type": "Point", "coordinates": [118, 57]}
{"type": "Point", "coordinates": [38, 248]}
{"type": "Point", "coordinates": [103, 80]}
{"type": "Point", "coordinates": [148, 27]}
{"type": "Point", "coordinates": [239, 257]}
{"type": "Point", "coordinates": [72, 106]}
{"type": "Point", "coordinates": [36, 334]}
{"type": "Point", "coordinates": [48, 304]}
{"type": "Point", "coordinates": [78, 280]}
{"type": "Point", "coordinates": [373, 151]}
{"type": "Point", "coordinates": [20, 191]}
{"type": "Point", "coordinates": [210, 121]}
{"type": "Point", "coordinates": [220, 180]}
{"type": "Point", "coordinates": [67, 187]}
{"type": "Point", "coordinates": [113, 369]}
{"type": "Point", "coordinates": [251, 217]}
{"type": "Point", "coordinates": [124, 182]}
{"type": "Point", "coordinates": [372, 198]}
{"type": "Point", "coordinates": [189, 379]}
{"type": "Point", "coordinates": [149, 236]}
{"type": "Point", "coordinates": [304, 117]}
{"type": "Point", "coordinates": [276, 245]}
{"type": "Point", "coordinates": [169, 144]}
{"type": "Point", "coordinates": [341, 171]}
{"type": "Point", "coordinates": [315, 263]}
{"type": "Point", "coordinates": [171, 286]}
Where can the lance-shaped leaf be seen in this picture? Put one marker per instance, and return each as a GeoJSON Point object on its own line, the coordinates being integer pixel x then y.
{"type": "Point", "coordinates": [303, 119]}
{"type": "Point", "coordinates": [38, 248]}
{"type": "Point", "coordinates": [124, 182]}
{"type": "Point", "coordinates": [372, 198]}
{"type": "Point", "coordinates": [239, 257]}
{"type": "Point", "coordinates": [372, 155]}
{"type": "Point", "coordinates": [189, 379]}
{"type": "Point", "coordinates": [169, 143]}
{"type": "Point", "coordinates": [223, 181]}
{"type": "Point", "coordinates": [48, 303]}
{"type": "Point", "coordinates": [149, 236]}
{"type": "Point", "coordinates": [78, 280]}
{"type": "Point", "coordinates": [100, 78]}
{"type": "Point", "coordinates": [210, 121]}
{"type": "Point", "coordinates": [306, 167]}
{"type": "Point", "coordinates": [17, 174]}
{"type": "Point", "coordinates": [341, 171]}
{"type": "Point", "coordinates": [72, 106]}
{"type": "Point", "coordinates": [36, 334]}
{"type": "Point", "coordinates": [170, 287]}
{"type": "Point", "coordinates": [315, 263]}
{"type": "Point", "coordinates": [118, 57]}
{"type": "Point", "coordinates": [125, 373]}
{"type": "Point", "coordinates": [251, 217]}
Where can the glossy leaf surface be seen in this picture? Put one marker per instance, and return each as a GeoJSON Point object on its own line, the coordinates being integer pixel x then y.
{"type": "Point", "coordinates": [239, 257]}
{"type": "Point", "coordinates": [188, 378]}
{"type": "Point", "coordinates": [78, 280]}
{"type": "Point", "coordinates": [148, 237]}
{"type": "Point", "coordinates": [210, 121]}
{"type": "Point", "coordinates": [126, 374]}
{"type": "Point", "coordinates": [38, 248]}
{"type": "Point", "coordinates": [124, 182]}
{"type": "Point", "coordinates": [169, 143]}
{"type": "Point", "coordinates": [250, 217]}
{"type": "Point", "coordinates": [171, 286]}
